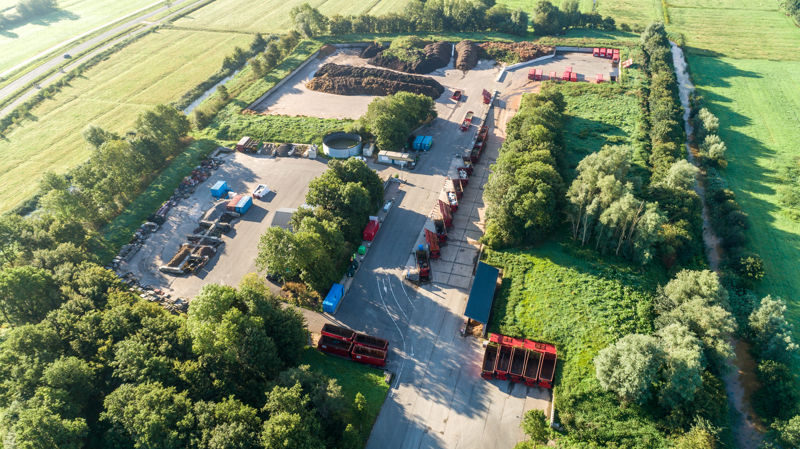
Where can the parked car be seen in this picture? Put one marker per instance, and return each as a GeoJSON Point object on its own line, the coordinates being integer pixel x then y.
{"type": "Point", "coordinates": [456, 96]}
{"type": "Point", "coordinates": [260, 191]}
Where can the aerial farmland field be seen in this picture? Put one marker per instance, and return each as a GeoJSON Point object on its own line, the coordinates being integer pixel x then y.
{"type": "Point", "coordinates": [272, 16]}
{"type": "Point", "coordinates": [158, 68]}
{"type": "Point", "coordinates": [73, 18]}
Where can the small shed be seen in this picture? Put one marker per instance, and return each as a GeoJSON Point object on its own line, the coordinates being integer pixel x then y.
{"type": "Point", "coordinates": [246, 144]}
{"type": "Point", "coordinates": [333, 299]}
{"type": "Point", "coordinates": [481, 295]}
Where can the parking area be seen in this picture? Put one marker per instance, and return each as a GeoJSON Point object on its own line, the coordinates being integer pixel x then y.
{"type": "Point", "coordinates": [288, 179]}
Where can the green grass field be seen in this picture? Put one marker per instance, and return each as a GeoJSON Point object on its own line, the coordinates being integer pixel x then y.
{"type": "Point", "coordinates": [640, 12]}
{"type": "Point", "coordinates": [571, 298]}
{"type": "Point", "coordinates": [758, 103]}
{"type": "Point", "coordinates": [272, 16]}
{"type": "Point", "coordinates": [353, 378]}
{"type": "Point", "coordinates": [74, 18]}
{"type": "Point", "coordinates": [155, 69]}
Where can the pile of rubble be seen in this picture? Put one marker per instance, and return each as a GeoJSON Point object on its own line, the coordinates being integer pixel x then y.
{"type": "Point", "coordinates": [347, 80]}
{"type": "Point", "coordinates": [431, 57]}
{"type": "Point", "coordinates": [149, 293]}
{"type": "Point", "coordinates": [516, 51]}
{"type": "Point", "coordinates": [467, 55]}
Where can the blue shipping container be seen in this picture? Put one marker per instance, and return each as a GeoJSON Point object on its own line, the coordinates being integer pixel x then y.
{"type": "Point", "coordinates": [427, 142]}
{"type": "Point", "coordinates": [418, 142]}
{"type": "Point", "coordinates": [244, 204]}
{"type": "Point", "coordinates": [334, 298]}
{"type": "Point", "coordinates": [219, 189]}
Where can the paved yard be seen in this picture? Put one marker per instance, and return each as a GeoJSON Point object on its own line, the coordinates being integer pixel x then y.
{"type": "Point", "coordinates": [287, 177]}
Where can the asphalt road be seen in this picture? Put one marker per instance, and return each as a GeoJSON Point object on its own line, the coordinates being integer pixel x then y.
{"type": "Point", "coordinates": [107, 40]}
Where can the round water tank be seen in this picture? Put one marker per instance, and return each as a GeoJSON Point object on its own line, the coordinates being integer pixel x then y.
{"type": "Point", "coordinates": [341, 145]}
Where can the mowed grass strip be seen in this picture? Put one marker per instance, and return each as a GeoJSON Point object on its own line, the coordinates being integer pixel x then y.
{"type": "Point", "coordinates": [273, 16]}
{"type": "Point", "coordinates": [572, 299]}
{"type": "Point", "coordinates": [758, 104]}
{"type": "Point", "coordinates": [74, 17]}
{"type": "Point", "coordinates": [155, 69]}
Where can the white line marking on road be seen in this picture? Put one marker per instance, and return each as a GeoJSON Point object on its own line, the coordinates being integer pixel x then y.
{"type": "Point", "coordinates": [393, 296]}
{"type": "Point", "coordinates": [406, 293]}
{"type": "Point", "coordinates": [402, 337]}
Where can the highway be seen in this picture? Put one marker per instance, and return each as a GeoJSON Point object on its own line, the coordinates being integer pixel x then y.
{"type": "Point", "coordinates": [102, 41]}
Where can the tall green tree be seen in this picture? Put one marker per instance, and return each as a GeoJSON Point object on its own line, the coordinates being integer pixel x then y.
{"type": "Point", "coordinates": [27, 294]}
{"type": "Point", "coordinates": [630, 367]}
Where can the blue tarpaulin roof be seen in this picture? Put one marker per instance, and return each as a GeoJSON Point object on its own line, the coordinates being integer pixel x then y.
{"type": "Point", "coordinates": [481, 295]}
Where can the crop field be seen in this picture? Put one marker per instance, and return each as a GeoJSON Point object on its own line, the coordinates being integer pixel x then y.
{"type": "Point", "coordinates": [272, 16]}
{"type": "Point", "coordinates": [74, 17]}
{"type": "Point", "coordinates": [631, 11]}
{"type": "Point", "coordinates": [527, 5]}
{"type": "Point", "coordinates": [758, 103]}
{"type": "Point", "coordinates": [155, 69]}
{"type": "Point", "coordinates": [572, 299]}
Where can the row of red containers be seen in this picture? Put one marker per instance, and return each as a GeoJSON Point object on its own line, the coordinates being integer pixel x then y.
{"type": "Point", "coordinates": [519, 360]}
{"type": "Point", "coordinates": [608, 53]}
{"type": "Point", "coordinates": [355, 345]}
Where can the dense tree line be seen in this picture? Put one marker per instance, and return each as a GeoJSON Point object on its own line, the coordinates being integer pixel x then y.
{"type": "Point", "coordinates": [392, 118]}
{"type": "Point", "coordinates": [525, 189]}
{"type": "Point", "coordinates": [674, 373]}
{"type": "Point", "coordinates": [792, 8]}
{"type": "Point", "coordinates": [416, 16]}
{"type": "Point", "coordinates": [548, 19]}
{"type": "Point", "coordinates": [323, 236]}
{"type": "Point", "coordinates": [117, 170]}
{"type": "Point", "coordinates": [263, 57]}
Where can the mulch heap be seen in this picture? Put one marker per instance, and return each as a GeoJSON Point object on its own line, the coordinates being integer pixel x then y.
{"type": "Point", "coordinates": [347, 80]}
{"type": "Point", "coordinates": [467, 55]}
{"type": "Point", "coordinates": [431, 57]}
{"type": "Point", "coordinates": [521, 51]}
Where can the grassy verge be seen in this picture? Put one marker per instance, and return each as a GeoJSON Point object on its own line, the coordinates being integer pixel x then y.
{"type": "Point", "coordinates": [119, 231]}
{"type": "Point", "coordinates": [353, 378]}
{"type": "Point", "coordinates": [577, 37]}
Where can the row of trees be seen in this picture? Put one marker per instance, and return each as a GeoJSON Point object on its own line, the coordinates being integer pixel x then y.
{"type": "Point", "coordinates": [548, 19]}
{"type": "Point", "coordinates": [417, 16]}
{"type": "Point", "coordinates": [525, 189]}
{"type": "Point", "coordinates": [263, 57]}
{"type": "Point", "coordinates": [316, 249]}
{"type": "Point", "coordinates": [85, 363]}
{"type": "Point", "coordinates": [391, 119]}
{"type": "Point", "coordinates": [118, 169]}
{"type": "Point", "coordinates": [25, 11]}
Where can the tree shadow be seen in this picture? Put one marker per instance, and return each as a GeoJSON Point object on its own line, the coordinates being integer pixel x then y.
{"type": "Point", "coordinates": [48, 19]}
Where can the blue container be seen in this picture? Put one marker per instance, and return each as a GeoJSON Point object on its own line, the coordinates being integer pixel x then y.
{"type": "Point", "coordinates": [418, 142]}
{"type": "Point", "coordinates": [333, 299]}
{"type": "Point", "coordinates": [219, 189]}
{"type": "Point", "coordinates": [427, 142]}
{"type": "Point", "coordinates": [244, 204]}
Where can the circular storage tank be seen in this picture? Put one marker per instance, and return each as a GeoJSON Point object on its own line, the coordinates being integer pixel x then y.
{"type": "Point", "coordinates": [341, 145]}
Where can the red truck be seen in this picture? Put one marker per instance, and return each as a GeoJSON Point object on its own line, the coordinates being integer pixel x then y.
{"type": "Point", "coordinates": [433, 244]}
{"type": "Point", "coordinates": [467, 121]}
{"type": "Point", "coordinates": [423, 263]}
{"type": "Point", "coordinates": [370, 356]}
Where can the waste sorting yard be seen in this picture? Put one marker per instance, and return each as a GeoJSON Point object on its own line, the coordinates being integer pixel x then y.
{"type": "Point", "coordinates": [287, 179]}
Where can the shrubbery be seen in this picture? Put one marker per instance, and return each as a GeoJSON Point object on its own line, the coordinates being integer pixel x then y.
{"type": "Point", "coordinates": [525, 190]}
{"type": "Point", "coordinates": [391, 119]}
{"type": "Point", "coordinates": [316, 249]}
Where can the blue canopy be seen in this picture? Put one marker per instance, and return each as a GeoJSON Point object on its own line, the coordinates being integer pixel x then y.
{"type": "Point", "coordinates": [481, 296]}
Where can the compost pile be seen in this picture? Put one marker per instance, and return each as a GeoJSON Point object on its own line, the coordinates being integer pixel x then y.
{"type": "Point", "coordinates": [347, 80]}
{"type": "Point", "coordinates": [516, 51]}
{"type": "Point", "coordinates": [467, 55]}
{"type": "Point", "coordinates": [431, 57]}
{"type": "Point", "coordinates": [372, 50]}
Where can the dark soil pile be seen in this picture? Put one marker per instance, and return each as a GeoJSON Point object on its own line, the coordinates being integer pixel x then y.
{"type": "Point", "coordinates": [467, 55]}
{"type": "Point", "coordinates": [372, 50]}
{"type": "Point", "coordinates": [347, 80]}
{"type": "Point", "coordinates": [433, 56]}
{"type": "Point", "coordinates": [513, 52]}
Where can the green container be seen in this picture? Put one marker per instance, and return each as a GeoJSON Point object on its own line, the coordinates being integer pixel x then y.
{"type": "Point", "coordinates": [362, 250]}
